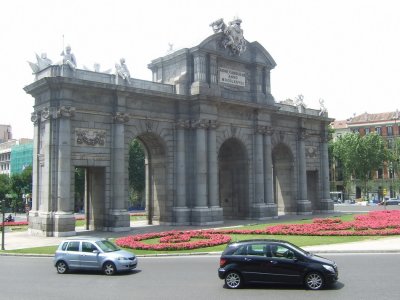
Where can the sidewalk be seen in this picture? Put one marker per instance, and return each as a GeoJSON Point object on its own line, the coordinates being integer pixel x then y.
{"type": "Point", "coordinates": [22, 239]}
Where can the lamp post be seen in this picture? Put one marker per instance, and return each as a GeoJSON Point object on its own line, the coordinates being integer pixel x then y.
{"type": "Point", "coordinates": [4, 225]}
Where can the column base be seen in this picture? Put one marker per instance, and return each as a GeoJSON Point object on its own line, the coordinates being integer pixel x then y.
{"type": "Point", "coordinates": [304, 207]}
{"type": "Point", "coordinates": [204, 216]}
{"type": "Point", "coordinates": [118, 221]}
{"type": "Point", "coordinates": [326, 206]}
{"type": "Point", "coordinates": [262, 211]}
{"type": "Point", "coordinates": [181, 215]}
{"type": "Point", "coordinates": [51, 224]}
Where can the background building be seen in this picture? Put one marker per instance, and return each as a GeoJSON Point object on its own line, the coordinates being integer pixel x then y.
{"type": "Point", "coordinates": [384, 124]}
{"type": "Point", "coordinates": [5, 133]}
{"type": "Point", "coordinates": [17, 152]}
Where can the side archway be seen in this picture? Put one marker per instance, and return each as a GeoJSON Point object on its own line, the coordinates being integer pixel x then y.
{"type": "Point", "coordinates": [283, 179]}
{"type": "Point", "coordinates": [155, 176]}
{"type": "Point", "coordinates": [233, 179]}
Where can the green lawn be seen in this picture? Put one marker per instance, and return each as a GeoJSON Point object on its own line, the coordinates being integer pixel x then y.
{"type": "Point", "coordinates": [298, 240]}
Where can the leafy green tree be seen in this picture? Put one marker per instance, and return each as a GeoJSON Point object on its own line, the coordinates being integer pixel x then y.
{"type": "Point", "coordinates": [21, 183]}
{"type": "Point", "coordinates": [4, 185]}
{"type": "Point", "coordinates": [360, 155]}
{"type": "Point", "coordinates": [136, 173]}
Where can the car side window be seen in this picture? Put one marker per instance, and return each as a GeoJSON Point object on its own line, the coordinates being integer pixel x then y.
{"type": "Point", "coordinates": [73, 246]}
{"type": "Point", "coordinates": [257, 249]}
{"type": "Point", "coordinates": [64, 246]}
{"type": "Point", "coordinates": [242, 250]}
{"type": "Point", "coordinates": [88, 247]}
{"type": "Point", "coordinates": [279, 251]}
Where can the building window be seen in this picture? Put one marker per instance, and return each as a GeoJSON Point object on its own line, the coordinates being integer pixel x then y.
{"type": "Point", "coordinates": [380, 173]}
{"type": "Point", "coordinates": [378, 130]}
{"type": "Point", "coordinates": [389, 130]}
{"type": "Point", "coordinates": [366, 130]}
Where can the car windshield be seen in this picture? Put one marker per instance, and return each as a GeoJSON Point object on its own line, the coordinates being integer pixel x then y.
{"type": "Point", "coordinates": [107, 246]}
{"type": "Point", "coordinates": [302, 251]}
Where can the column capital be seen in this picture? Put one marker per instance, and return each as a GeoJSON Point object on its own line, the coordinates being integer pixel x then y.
{"type": "Point", "coordinates": [213, 124]}
{"type": "Point", "coordinates": [120, 117]}
{"type": "Point", "coordinates": [182, 124]}
{"type": "Point", "coordinates": [65, 112]}
{"type": "Point", "coordinates": [200, 123]}
{"type": "Point", "coordinates": [267, 130]}
{"type": "Point", "coordinates": [35, 117]}
{"type": "Point", "coordinates": [302, 134]}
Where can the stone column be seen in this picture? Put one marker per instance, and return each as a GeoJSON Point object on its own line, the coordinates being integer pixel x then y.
{"type": "Point", "coordinates": [35, 118]}
{"type": "Point", "coordinates": [213, 184]}
{"type": "Point", "coordinates": [326, 204]}
{"type": "Point", "coordinates": [200, 212]}
{"type": "Point", "coordinates": [64, 198]}
{"type": "Point", "coordinates": [64, 218]}
{"type": "Point", "coordinates": [303, 204]}
{"type": "Point", "coordinates": [181, 211]}
{"type": "Point", "coordinates": [201, 164]}
{"type": "Point", "coordinates": [119, 220]}
{"type": "Point", "coordinates": [259, 165]}
{"type": "Point", "coordinates": [272, 207]}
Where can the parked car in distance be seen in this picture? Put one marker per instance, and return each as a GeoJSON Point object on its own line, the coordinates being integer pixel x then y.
{"type": "Point", "coordinates": [274, 262]}
{"type": "Point", "coordinates": [92, 253]}
{"type": "Point", "coordinates": [391, 201]}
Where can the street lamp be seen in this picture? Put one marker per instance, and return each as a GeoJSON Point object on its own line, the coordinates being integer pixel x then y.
{"type": "Point", "coordinates": [3, 222]}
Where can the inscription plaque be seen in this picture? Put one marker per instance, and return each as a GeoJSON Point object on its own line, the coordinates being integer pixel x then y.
{"type": "Point", "coordinates": [233, 77]}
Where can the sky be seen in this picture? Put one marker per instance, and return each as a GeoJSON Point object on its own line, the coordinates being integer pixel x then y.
{"type": "Point", "coordinates": [345, 52]}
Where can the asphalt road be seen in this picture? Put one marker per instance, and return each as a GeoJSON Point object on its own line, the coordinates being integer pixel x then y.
{"type": "Point", "coordinates": [362, 276]}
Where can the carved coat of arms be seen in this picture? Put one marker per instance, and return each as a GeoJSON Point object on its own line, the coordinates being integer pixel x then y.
{"type": "Point", "coordinates": [233, 35]}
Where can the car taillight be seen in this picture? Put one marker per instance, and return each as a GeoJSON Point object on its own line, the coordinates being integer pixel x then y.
{"type": "Point", "coordinates": [222, 262]}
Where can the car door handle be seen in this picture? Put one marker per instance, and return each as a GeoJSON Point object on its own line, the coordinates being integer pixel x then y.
{"type": "Point", "coordinates": [247, 259]}
{"type": "Point", "coordinates": [273, 262]}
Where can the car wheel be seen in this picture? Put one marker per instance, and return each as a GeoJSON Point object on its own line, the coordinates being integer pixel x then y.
{"type": "Point", "coordinates": [314, 281]}
{"type": "Point", "coordinates": [62, 267]}
{"type": "Point", "coordinates": [233, 280]}
{"type": "Point", "coordinates": [109, 268]}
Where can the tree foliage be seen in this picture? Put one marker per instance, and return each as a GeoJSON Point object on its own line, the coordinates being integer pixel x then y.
{"type": "Point", "coordinates": [360, 155]}
{"type": "Point", "coordinates": [4, 185]}
{"type": "Point", "coordinates": [136, 171]}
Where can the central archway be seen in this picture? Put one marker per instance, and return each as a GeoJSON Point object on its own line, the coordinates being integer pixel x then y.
{"type": "Point", "coordinates": [233, 179]}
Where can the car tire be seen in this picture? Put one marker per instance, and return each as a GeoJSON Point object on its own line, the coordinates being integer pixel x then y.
{"type": "Point", "coordinates": [314, 281]}
{"type": "Point", "coordinates": [109, 268]}
{"type": "Point", "coordinates": [233, 280]}
{"type": "Point", "coordinates": [62, 267]}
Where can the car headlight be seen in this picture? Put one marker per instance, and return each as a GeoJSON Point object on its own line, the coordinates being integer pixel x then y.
{"type": "Point", "coordinates": [123, 258]}
{"type": "Point", "coordinates": [329, 268]}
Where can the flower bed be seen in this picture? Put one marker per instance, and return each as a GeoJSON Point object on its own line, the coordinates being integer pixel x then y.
{"type": "Point", "coordinates": [14, 223]}
{"type": "Point", "coordinates": [174, 240]}
{"type": "Point", "coordinates": [381, 223]}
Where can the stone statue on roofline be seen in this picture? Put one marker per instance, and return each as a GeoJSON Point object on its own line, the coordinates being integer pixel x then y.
{"type": "Point", "coordinates": [121, 70]}
{"type": "Point", "coordinates": [233, 35]}
{"type": "Point", "coordinates": [68, 58]}
{"type": "Point", "coordinates": [323, 110]}
{"type": "Point", "coordinates": [42, 62]}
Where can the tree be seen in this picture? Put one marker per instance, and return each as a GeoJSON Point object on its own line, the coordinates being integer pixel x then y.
{"type": "Point", "coordinates": [4, 186]}
{"type": "Point", "coordinates": [360, 155]}
{"type": "Point", "coordinates": [136, 173]}
{"type": "Point", "coordinates": [20, 184]}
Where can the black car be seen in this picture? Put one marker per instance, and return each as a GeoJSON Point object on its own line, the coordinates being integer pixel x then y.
{"type": "Point", "coordinates": [274, 261]}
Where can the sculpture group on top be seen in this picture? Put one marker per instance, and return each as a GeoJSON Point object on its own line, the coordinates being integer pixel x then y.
{"type": "Point", "coordinates": [233, 35]}
{"type": "Point", "coordinates": [69, 60]}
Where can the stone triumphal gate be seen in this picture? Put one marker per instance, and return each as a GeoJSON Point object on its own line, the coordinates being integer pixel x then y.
{"type": "Point", "coordinates": [217, 145]}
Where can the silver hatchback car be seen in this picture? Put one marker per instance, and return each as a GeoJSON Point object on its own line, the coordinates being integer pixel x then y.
{"type": "Point", "coordinates": [92, 253]}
